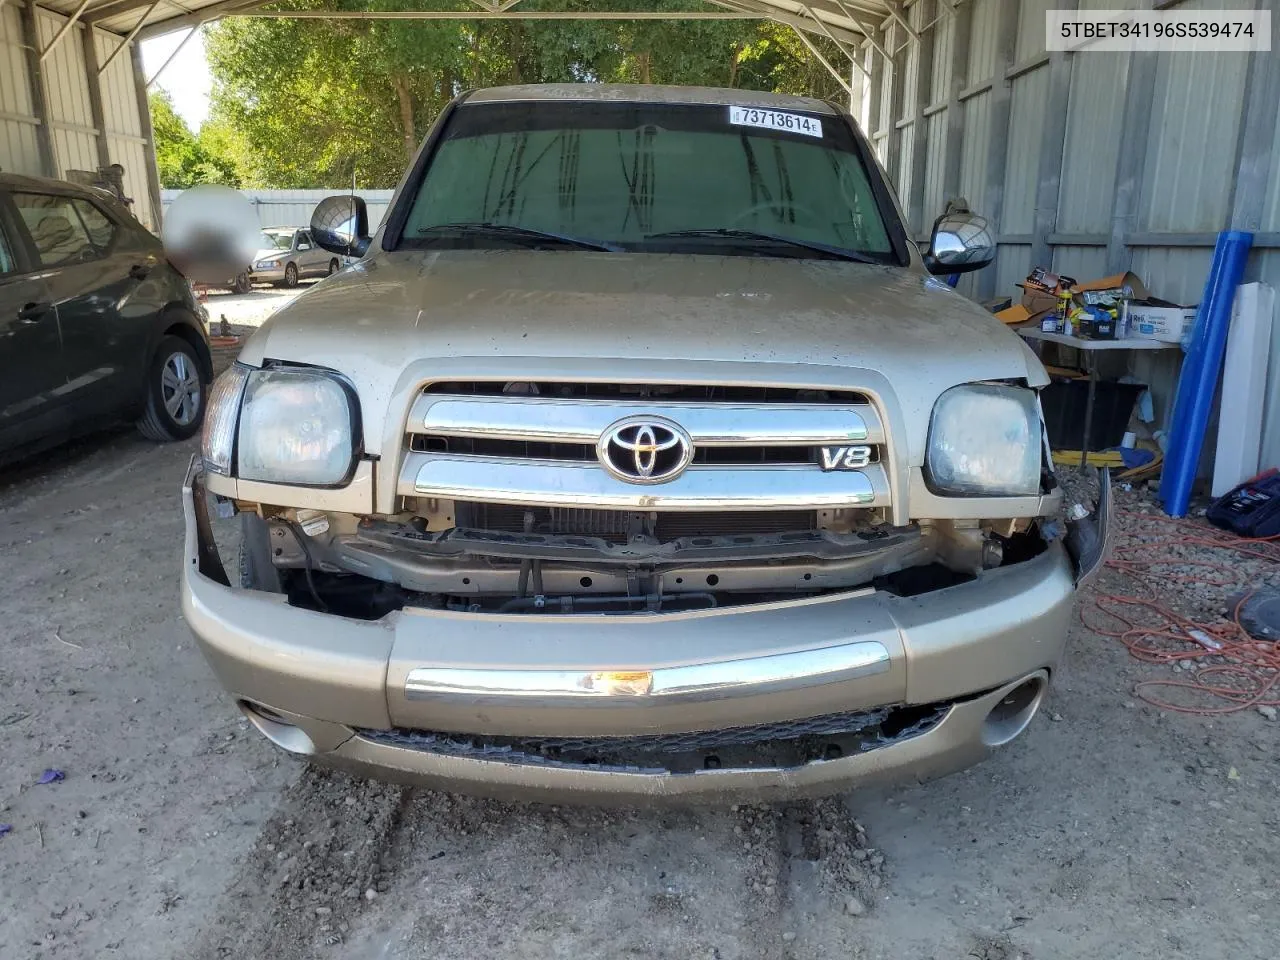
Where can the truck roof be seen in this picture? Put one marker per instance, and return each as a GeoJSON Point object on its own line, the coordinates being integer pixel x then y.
{"type": "Point", "coordinates": [649, 93]}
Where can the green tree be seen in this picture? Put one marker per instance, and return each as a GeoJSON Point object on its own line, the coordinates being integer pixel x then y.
{"type": "Point", "coordinates": [183, 158]}
{"type": "Point", "coordinates": [316, 102]}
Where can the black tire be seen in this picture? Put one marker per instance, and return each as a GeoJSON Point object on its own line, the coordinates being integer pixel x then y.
{"type": "Point", "coordinates": [257, 572]}
{"type": "Point", "coordinates": [243, 284]}
{"type": "Point", "coordinates": [334, 266]}
{"type": "Point", "coordinates": [176, 390]}
{"type": "Point", "coordinates": [291, 275]}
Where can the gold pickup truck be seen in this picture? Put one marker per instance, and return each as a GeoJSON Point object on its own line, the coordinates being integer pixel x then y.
{"type": "Point", "coordinates": [640, 455]}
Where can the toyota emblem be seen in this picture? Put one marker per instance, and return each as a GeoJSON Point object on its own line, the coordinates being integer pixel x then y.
{"type": "Point", "coordinates": [645, 449]}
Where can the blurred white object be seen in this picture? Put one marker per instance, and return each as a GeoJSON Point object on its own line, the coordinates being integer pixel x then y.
{"type": "Point", "coordinates": [1244, 387]}
{"type": "Point", "coordinates": [210, 233]}
{"type": "Point", "coordinates": [1130, 440]}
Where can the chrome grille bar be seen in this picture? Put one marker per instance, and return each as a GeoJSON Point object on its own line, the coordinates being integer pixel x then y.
{"type": "Point", "coordinates": [557, 483]}
{"type": "Point", "coordinates": [552, 420]}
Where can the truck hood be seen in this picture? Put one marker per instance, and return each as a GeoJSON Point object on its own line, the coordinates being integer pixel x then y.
{"type": "Point", "coordinates": [455, 314]}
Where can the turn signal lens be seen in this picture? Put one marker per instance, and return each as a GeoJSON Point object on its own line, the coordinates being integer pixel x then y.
{"type": "Point", "coordinates": [217, 445]}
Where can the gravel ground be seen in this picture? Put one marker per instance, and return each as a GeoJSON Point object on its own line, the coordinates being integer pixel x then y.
{"type": "Point", "coordinates": [1109, 829]}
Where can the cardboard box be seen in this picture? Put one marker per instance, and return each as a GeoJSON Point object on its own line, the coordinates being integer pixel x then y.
{"type": "Point", "coordinates": [1108, 290]}
{"type": "Point", "coordinates": [1014, 314]}
{"type": "Point", "coordinates": [1160, 320]}
{"type": "Point", "coordinates": [1037, 303]}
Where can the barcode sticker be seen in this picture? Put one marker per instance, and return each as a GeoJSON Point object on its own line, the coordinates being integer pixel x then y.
{"type": "Point", "coordinates": [775, 120]}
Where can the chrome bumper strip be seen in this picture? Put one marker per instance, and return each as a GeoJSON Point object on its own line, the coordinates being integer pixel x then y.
{"type": "Point", "coordinates": [701, 681]}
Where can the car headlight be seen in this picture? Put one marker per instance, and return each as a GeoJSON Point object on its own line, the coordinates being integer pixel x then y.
{"type": "Point", "coordinates": [218, 444]}
{"type": "Point", "coordinates": [281, 426]}
{"type": "Point", "coordinates": [298, 427]}
{"type": "Point", "coordinates": [266, 264]}
{"type": "Point", "coordinates": [984, 440]}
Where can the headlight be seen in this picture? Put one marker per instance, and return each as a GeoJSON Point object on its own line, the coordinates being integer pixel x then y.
{"type": "Point", "coordinates": [266, 264]}
{"type": "Point", "coordinates": [296, 427]}
{"type": "Point", "coordinates": [985, 441]}
{"type": "Point", "coordinates": [217, 446]}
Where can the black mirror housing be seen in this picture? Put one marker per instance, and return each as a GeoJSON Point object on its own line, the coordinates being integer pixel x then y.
{"type": "Point", "coordinates": [340, 224]}
{"type": "Point", "coordinates": [961, 242]}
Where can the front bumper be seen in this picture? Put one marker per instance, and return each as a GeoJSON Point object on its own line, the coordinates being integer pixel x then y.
{"type": "Point", "coordinates": [266, 274]}
{"type": "Point", "coordinates": [330, 684]}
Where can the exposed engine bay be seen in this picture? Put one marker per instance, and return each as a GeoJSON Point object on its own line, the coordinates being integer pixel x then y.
{"type": "Point", "coordinates": [484, 557]}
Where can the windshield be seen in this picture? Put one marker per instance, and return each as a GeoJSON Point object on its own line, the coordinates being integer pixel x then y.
{"type": "Point", "coordinates": [649, 177]}
{"type": "Point", "coordinates": [275, 240]}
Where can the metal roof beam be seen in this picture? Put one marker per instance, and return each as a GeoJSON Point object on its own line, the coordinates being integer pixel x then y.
{"type": "Point", "coordinates": [507, 15]}
{"type": "Point", "coordinates": [868, 32]}
{"type": "Point", "coordinates": [851, 55]}
{"type": "Point", "coordinates": [129, 39]}
{"type": "Point", "coordinates": [837, 21]}
{"type": "Point", "coordinates": [116, 8]}
{"type": "Point", "coordinates": [895, 13]}
{"type": "Point", "coordinates": [176, 50]}
{"type": "Point", "coordinates": [205, 14]}
{"type": "Point", "coordinates": [817, 54]}
{"type": "Point", "coordinates": [71, 22]}
{"type": "Point", "coordinates": [768, 11]}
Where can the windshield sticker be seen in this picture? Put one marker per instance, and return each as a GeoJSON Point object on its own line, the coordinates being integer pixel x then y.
{"type": "Point", "coordinates": [775, 120]}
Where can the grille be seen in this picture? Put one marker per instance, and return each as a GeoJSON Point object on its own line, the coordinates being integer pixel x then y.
{"type": "Point", "coordinates": [618, 525]}
{"type": "Point", "coordinates": [642, 391]}
{"type": "Point", "coordinates": [753, 447]}
{"type": "Point", "coordinates": [586, 453]}
{"type": "Point", "coordinates": [786, 743]}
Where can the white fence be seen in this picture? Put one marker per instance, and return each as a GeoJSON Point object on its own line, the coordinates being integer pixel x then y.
{"type": "Point", "coordinates": [292, 208]}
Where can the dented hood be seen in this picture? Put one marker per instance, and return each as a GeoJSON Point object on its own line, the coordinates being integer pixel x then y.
{"type": "Point", "coordinates": [393, 313]}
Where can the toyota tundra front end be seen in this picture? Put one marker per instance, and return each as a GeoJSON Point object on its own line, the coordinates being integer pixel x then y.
{"type": "Point", "coordinates": [639, 456]}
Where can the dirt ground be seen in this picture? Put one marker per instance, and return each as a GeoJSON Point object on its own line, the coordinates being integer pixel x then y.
{"type": "Point", "coordinates": [1109, 829]}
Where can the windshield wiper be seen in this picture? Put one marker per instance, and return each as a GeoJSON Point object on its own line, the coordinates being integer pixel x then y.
{"type": "Point", "coordinates": [755, 236]}
{"type": "Point", "coordinates": [515, 232]}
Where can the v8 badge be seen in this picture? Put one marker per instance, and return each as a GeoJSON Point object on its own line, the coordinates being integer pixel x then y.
{"type": "Point", "coordinates": [845, 458]}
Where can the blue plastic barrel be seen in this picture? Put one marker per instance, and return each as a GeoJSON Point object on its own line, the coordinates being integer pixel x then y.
{"type": "Point", "coordinates": [1200, 370]}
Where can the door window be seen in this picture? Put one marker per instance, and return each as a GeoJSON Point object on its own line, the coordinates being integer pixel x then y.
{"type": "Point", "coordinates": [304, 240]}
{"type": "Point", "coordinates": [8, 264]}
{"type": "Point", "coordinates": [56, 229]}
{"type": "Point", "coordinates": [99, 226]}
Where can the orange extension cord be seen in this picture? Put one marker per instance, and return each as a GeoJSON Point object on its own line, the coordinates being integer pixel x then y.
{"type": "Point", "coordinates": [1240, 670]}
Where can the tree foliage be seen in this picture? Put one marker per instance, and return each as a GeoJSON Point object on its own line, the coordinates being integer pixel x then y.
{"type": "Point", "coordinates": [316, 103]}
{"type": "Point", "coordinates": [184, 158]}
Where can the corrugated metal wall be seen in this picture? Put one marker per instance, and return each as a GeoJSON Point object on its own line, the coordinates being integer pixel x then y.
{"type": "Point", "coordinates": [987, 132]}
{"type": "Point", "coordinates": [292, 208]}
{"type": "Point", "coordinates": [18, 150]}
{"type": "Point", "coordinates": [73, 135]}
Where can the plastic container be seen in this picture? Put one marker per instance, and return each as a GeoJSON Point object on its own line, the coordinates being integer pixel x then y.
{"type": "Point", "coordinates": [1063, 403]}
{"type": "Point", "coordinates": [1200, 370]}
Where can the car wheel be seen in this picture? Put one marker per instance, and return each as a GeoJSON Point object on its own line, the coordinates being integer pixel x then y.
{"type": "Point", "coordinates": [291, 275]}
{"type": "Point", "coordinates": [174, 405]}
{"type": "Point", "coordinates": [242, 284]}
{"type": "Point", "coordinates": [334, 266]}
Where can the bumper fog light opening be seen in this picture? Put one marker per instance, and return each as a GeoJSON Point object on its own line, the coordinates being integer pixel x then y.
{"type": "Point", "coordinates": [1013, 713]}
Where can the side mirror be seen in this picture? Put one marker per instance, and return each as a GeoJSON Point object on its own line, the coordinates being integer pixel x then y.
{"type": "Point", "coordinates": [341, 225]}
{"type": "Point", "coordinates": [961, 242]}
